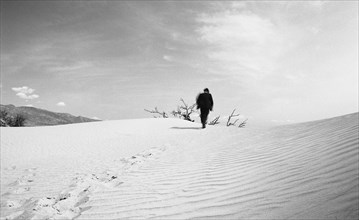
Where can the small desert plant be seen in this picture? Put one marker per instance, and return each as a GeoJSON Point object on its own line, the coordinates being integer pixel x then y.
{"type": "Point", "coordinates": [243, 124]}
{"type": "Point", "coordinates": [3, 123]}
{"type": "Point", "coordinates": [229, 123]}
{"type": "Point", "coordinates": [162, 114]}
{"type": "Point", "coordinates": [18, 121]}
{"type": "Point", "coordinates": [184, 111]}
{"type": "Point", "coordinates": [5, 118]}
{"type": "Point", "coordinates": [12, 121]}
{"type": "Point", "coordinates": [4, 114]}
{"type": "Point", "coordinates": [214, 121]}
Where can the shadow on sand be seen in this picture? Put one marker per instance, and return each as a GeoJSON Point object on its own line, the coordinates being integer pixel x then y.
{"type": "Point", "coordinates": [194, 128]}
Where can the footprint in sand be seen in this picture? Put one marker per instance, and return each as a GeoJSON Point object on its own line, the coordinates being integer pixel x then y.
{"type": "Point", "coordinates": [140, 158]}
{"type": "Point", "coordinates": [16, 209]}
{"type": "Point", "coordinates": [20, 190]}
{"type": "Point", "coordinates": [31, 170]}
{"type": "Point", "coordinates": [24, 180]}
{"type": "Point", "coordinates": [70, 202]}
{"type": "Point", "coordinates": [108, 179]}
{"type": "Point", "coordinates": [11, 204]}
{"type": "Point", "coordinates": [66, 205]}
{"type": "Point", "coordinates": [27, 178]}
{"type": "Point", "coordinates": [10, 168]}
{"type": "Point", "coordinates": [112, 177]}
{"type": "Point", "coordinates": [22, 184]}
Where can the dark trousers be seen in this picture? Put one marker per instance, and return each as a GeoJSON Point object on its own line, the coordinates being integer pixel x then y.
{"type": "Point", "coordinates": [204, 115]}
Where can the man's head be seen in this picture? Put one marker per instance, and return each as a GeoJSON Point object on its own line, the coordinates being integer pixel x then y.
{"type": "Point", "coordinates": [206, 90]}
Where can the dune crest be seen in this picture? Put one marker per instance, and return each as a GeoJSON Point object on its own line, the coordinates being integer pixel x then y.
{"type": "Point", "coordinates": [149, 168]}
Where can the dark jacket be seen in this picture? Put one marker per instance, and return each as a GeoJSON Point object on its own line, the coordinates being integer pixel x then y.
{"type": "Point", "coordinates": [204, 100]}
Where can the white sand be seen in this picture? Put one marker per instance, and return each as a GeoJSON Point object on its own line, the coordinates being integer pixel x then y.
{"type": "Point", "coordinates": [167, 169]}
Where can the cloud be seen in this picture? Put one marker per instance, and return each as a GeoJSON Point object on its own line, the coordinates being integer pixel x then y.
{"type": "Point", "coordinates": [70, 67]}
{"type": "Point", "coordinates": [227, 27]}
{"type": "Point", "coordinates": [61, 104]}
{"type": "Point", "coordinates": [25, 92]}
{"type": "Point", "coordinates": [240, 40]}
{"type": "Point", "coordinates": [175, 35]}
{"type": "Point", "coordinates": [23, 89]}
{"type": "Point", "coordinates": [168, 58]}
{"type": "Point", "coordinates": [26, 96]}
{"type": "Point", "coordinates": [168, 46]}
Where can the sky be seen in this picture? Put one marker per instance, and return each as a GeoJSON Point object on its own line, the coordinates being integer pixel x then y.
{"type": "Point", "coordinates": [274, 62]}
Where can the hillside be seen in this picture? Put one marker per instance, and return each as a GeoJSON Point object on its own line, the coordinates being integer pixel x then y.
{"type": "Point", "coordinates": [41, 117]}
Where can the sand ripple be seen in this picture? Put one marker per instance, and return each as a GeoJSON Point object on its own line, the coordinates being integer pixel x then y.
{"type": "Point", "coordinates": [300, 171]}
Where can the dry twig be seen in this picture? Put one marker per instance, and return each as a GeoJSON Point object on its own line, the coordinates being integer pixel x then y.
{"type": "Point", "coordinates": [184, 111]}
{"type": "Point", "coordinates": [214, 121]}
{"type": "Point", "coordinates": [162, 114]}
{"type": "Point", "coordinates": [229, 123]}
{"type": "Point", "coordinates": [243, 124]}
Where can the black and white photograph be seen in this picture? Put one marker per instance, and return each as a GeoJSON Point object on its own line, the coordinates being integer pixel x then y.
{"type": "Point", "coordinates": [179, 109]}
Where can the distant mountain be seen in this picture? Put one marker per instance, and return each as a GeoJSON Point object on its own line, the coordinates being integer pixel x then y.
{"type": "Point", "coordinates": [41, 117]}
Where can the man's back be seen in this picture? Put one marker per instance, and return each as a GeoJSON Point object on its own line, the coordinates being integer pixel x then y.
{"type": "Point", "coordinates": [205, 100]}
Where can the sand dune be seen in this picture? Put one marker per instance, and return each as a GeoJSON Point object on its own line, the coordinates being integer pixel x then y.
{"type": "Point", "coordinates": [168, 169]}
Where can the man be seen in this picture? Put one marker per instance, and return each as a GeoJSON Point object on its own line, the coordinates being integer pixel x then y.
{"type": "Point", "coordinates": [205, 103]}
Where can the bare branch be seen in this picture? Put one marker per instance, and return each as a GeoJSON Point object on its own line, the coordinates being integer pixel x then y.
{"type": "Point", "coordinates": [162, 114]}
{"type": "Point", "coordinates": [177, 113]}
{"type": "Point", "coordinates": [185, 105]}
{"type": "Point", "coordinates": [185, 111]}
{"type": "Point", "coordinates": [234, 123]}
{"type": "Point", "coordinates": [214, 121]}
{"type": "Point", "coordinates": [243, 124]}
{"type": "Point", "coordinates": [229, 123]}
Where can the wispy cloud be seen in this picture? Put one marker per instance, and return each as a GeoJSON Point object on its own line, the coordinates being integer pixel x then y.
{"type": "Point", "coordinates": [168, 58]}
{"type": "Point", "coordinates": [241, 40]}
{"type": "Point", "coordinates": [25, 92]}
{"type": "Point", "coordinates": [70, 67]}
{"type": "Point", "coordinates": [61, 104]}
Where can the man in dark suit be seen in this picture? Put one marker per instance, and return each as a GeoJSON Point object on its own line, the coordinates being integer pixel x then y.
{"type": "Point", "coordinates": [205, 103]}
